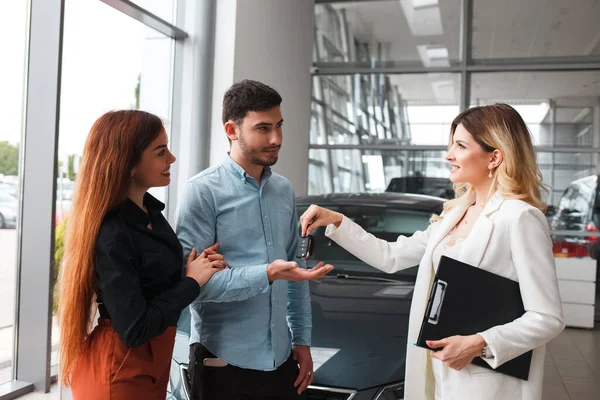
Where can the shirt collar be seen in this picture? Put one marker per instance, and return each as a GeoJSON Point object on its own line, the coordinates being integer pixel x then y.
{"type": "Point", "coordinates": [134, 214]}
{"type": "Point", "coordinates": [239, 172]}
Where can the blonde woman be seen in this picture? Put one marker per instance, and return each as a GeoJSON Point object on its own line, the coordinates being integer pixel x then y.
{"type": "Point", "coordinates": [496, 223]}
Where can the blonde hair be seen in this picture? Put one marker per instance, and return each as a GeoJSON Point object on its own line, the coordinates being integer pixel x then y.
{"type": "Point", "coordinates": [499, 126]}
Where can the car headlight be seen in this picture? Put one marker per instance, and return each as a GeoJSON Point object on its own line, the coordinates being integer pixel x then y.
{"type": "Point", "coordinates": [391, 392]}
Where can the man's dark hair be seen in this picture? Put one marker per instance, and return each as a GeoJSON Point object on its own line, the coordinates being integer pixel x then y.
{"type": "Point", "coordinates": [248, 95]}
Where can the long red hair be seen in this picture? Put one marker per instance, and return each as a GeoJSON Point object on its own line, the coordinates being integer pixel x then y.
{"type": "Point", "coordinates": [114, 146]}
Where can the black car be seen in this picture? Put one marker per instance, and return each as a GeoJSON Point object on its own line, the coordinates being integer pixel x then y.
{"type": "Point", "coordinates": [360, 314]}
{"type": "Point", "coordinates": [439, 187]}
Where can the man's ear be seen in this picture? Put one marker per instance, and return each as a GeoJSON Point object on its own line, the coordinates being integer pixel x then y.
{"type": "Point", "coordinates": [231, 130]}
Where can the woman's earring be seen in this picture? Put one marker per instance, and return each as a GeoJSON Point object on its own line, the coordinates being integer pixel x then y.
{"type": "Point", "coordinates": [490, 174]}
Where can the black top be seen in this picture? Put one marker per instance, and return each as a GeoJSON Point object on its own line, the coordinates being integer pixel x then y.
{"type": "Point", "coordinates": [139, 272]}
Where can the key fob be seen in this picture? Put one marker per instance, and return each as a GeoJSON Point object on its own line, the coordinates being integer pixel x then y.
{"type": "Point", "coordinates": [305, 247]}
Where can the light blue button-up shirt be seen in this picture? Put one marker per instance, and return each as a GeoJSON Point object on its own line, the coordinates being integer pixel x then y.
{"type": "Point", "coordinates": [238, 316]}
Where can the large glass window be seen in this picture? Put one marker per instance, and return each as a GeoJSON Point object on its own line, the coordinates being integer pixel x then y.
{"type": "Point", "coordinates": [420, 80]}
{"type": "Point", "coordinates": [559, 109]}
{"type": "Point", "coordinates": [164, 9]}
{"type": "Point", "coordinates": [430, 102]}
{"type": "Point", "coordinates": [379, 109]}
{"type": "Point", "coordinates": [407, 171]}
{"type": "Point", "coordinates": [13, 47]}
{"type": "Point", "coordinates": [110, 62]}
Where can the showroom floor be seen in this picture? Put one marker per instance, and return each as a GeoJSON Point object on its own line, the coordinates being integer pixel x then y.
{"type": "Point", "coordinates": [572, 370]}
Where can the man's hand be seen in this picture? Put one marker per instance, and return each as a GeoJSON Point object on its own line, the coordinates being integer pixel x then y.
{"type": "Point", "coordinates": [288, 270]}
{"type": "Point", "coordinates": [304, 359]}
{"type": "Point", "coordinates": [458, 351]}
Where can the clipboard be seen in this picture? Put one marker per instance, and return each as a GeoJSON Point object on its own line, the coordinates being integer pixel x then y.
{"type": "Point", "coordinates": [465, 300]}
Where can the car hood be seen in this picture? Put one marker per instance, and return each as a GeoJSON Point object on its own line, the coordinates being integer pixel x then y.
{"type": "Point", "coordinates": [360, 327]}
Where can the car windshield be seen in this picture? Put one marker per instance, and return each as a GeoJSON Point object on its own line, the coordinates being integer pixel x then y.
{"type": "Point", "coordinates": [438, 187]}
{"type": "Point", "coordinates": [381, 221]}
{"type": "Point", "coordinates": [577, 198]}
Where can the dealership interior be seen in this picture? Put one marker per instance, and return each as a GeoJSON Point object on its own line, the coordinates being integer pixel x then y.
{"type": "Point", "coordinates": [369, 91]}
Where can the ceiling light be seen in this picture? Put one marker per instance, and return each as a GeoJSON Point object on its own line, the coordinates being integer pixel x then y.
{"type": "Point", "coordinates": [424, 3]}
{"type": "Point", "coordinates": [436, 53]}
{"type": "Point", "coordinates": [423, 17]}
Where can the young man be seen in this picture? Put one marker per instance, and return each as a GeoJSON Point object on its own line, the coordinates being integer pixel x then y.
{"type": "Point", "coordinates": [251, 324]}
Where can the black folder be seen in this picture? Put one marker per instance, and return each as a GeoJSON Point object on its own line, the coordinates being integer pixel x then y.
{"type": "Point", "coordinates": [465, 300]}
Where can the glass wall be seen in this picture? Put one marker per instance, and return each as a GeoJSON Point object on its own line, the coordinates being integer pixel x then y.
{"type": "Point", "coordinates": [559, 109]}
{"type": "Point", "coordinates": [13, 47]}
{"type": "Point", "coordinates": [164, 9]}
{"type": "Point", "coordinates": [97, 56]}
{"type": "Point", "coordinates": [382, 105]}
{"type": "Point", "coordinates": [378, 109]}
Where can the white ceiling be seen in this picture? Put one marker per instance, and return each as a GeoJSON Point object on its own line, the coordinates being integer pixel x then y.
{"type": "Point", "coordinates": [501, 28]}
{"type": "Point", "coordinates": [386, 22]}
{"type": "Point", "coordinates": [566, 88]}
{"type": "Point", "coordinates": [535, 85]}
{"type": "Point", "coordinates": [428, 88]}
{"type": "Point", "coordinates": [535, 28]}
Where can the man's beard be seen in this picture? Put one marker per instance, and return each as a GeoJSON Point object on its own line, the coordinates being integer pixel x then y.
{"type": "Point", "coordinates": [254, 155]}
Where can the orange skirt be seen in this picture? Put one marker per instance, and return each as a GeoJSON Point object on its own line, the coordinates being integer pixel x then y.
{"type": "Point", "coordinates": [109, 370]}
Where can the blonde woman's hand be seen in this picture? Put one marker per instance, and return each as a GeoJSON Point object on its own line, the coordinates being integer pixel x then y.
{"type": "Point", "coordinates": [457, 351]}
{"type": "Point", "coordinates": [317, 216]}
{"type": "Point", "coordinates": [208, 263]}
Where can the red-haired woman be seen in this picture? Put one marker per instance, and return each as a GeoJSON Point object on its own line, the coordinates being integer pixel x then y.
{"type": "Point", "coordinates": [122, 255]}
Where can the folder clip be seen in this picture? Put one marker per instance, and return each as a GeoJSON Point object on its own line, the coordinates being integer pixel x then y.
{"type": "Point", "coordinates": [439, 290]}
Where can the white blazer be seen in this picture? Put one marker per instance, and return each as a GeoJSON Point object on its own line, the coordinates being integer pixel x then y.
{"type": "Point", "coordinates": [510, 238]}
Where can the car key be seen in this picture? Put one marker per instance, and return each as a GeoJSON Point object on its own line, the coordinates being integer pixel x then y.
{"type": "Point", "coordinates": [305, 247]}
